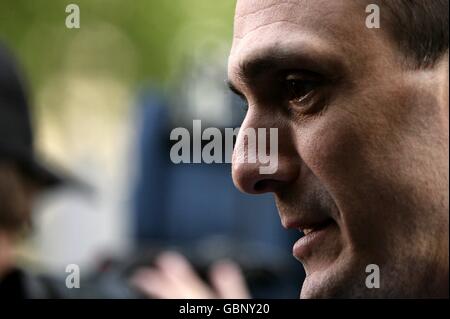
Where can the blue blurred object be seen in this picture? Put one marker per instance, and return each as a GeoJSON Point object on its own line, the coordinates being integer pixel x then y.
{"type": "Point", "coordinates": [196, 208]}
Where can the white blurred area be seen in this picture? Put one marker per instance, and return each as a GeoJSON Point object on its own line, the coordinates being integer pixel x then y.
{"type": "Point", "coordinates": [84, 125]}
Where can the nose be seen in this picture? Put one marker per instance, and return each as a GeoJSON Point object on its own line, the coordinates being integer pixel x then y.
{"type": "Point", "coordinates": [247, 174]}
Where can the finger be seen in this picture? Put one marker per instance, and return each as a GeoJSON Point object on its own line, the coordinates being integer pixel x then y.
{"type": "Point", "coordinates": [228, 280]}
{"type": "Point", "coordinates": [183, 276]}
{"type": "Point", "coordinates": [153, 284]}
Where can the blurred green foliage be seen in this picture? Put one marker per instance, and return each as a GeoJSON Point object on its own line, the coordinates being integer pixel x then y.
{"type": "Point", "coordinates": [138, 40]}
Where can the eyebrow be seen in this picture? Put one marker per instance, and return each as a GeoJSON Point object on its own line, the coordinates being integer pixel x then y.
{"type": "Point", "coordinates": [302, 55]}
{"type": "Point", "coordinates": [253, 68]}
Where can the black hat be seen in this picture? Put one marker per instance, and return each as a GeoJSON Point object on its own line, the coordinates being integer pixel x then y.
{"type": "Point", "coordinates": [16, 134]}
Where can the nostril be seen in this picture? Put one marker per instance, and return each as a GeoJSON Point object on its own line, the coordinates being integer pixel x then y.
{"type": "Point", "coordinates": [260, 186]}
{"type": "Point", "coordinates": [266, 185]}
{"type": "Point", "coordinates": [248, 179]}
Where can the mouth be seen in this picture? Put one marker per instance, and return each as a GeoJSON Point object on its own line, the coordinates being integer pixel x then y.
{"type": "Point", "coordinates": [314, 236]}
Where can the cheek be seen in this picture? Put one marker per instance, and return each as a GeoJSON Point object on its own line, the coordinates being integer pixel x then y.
{"type": "Point", "coordinates": [340, 154]}
{"type": "Point", "coordinates": [332, 150]}
{"type": "Point", "coordinates": [375, 157]}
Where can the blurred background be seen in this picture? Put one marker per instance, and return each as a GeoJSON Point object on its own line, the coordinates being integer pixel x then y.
{"type": "Point", "coordinates": [105, 98]}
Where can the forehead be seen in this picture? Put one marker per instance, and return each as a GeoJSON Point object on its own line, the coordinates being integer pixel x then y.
{"type": "Point", "coordinates": [265, 25]}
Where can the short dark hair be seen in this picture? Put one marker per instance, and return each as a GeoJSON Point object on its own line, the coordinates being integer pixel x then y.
{"type": "Point", "coordinates": [419, 27]}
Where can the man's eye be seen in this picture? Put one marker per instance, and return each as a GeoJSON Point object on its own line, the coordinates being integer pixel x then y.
{"type": "Point", "coordinates": [300, 88]}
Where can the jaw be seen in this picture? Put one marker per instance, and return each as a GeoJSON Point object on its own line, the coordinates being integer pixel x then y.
{"type": "Point", "coordinates": [330, 281]}
{"type": "Point", "coordinates": [401, 275]}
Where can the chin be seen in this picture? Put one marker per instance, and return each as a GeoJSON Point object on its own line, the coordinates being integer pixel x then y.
{"type": "Point", "coordinates": [319, 286]}
{"type": "Point", "coordinates": [339, 280]}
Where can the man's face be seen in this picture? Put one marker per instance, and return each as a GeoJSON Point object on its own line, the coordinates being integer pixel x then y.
{"type": "Point", "coordinates": [363, 145]}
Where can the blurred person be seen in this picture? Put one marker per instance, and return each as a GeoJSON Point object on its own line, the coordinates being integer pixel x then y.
{"type": "Point", "coordinates": [362, 118]}
{"type": "Point", "coordinates": [22, 178]}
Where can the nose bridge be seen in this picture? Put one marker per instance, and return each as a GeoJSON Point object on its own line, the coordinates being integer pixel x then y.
{"type": "Point", "coordinates": [246, 164]}
{"type": "Point", "coordinates": [253, 141]}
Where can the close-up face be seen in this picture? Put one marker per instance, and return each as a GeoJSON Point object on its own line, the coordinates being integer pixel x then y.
{"type": "Point", "coordinates": [362, 145]}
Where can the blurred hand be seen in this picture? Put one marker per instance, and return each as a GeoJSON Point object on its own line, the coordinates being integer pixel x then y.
{"type": "Point", "coordinates": [173, 277]}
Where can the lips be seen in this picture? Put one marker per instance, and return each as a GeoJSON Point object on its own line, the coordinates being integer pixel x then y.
{"type": "Point", "coordinates": [315, 227]}
{"type": "Point", "coordinates": [314, 236]}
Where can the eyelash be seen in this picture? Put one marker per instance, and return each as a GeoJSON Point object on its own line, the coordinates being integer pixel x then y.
{"type": "Point", "coordinates": [299, 90]}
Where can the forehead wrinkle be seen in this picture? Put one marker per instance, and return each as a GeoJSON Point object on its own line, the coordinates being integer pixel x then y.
{"type": "Point", "coordinates": [240, 37]}
{"type": "Point", "coordinates": [330, 19]}
{"type": "Point", "coordinates": [290, 25]}
{"type": "Point", "coordinates": [281, 12]}
{"type": "Point", "coordinates": [260, 10]}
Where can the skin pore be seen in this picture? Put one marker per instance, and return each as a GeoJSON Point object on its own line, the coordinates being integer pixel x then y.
{"type": "Point", "coordinates": [363, 144]}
